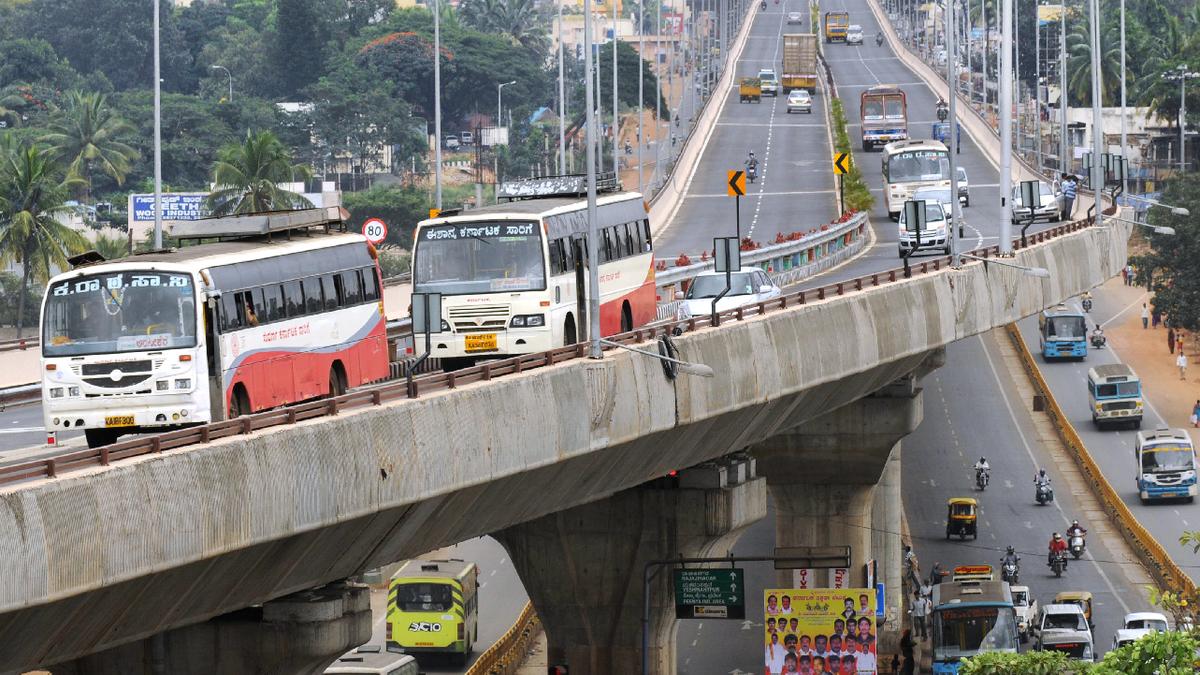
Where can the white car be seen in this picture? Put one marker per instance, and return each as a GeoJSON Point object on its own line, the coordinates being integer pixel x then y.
{"type": "Point", "coordinates": [769, 82]}
{"type": "Point", "coordinates": [799, 101]}
{"type": "Point", "coordinates": [795, 17]}
{"type": "Point", "coordinates": [1127, 636]}
{"type": "Point", "coordinates": [1049, 208]}
{"type": "Point", "coordinates": [1146, 620]}
{"type": "Point", "coordinates": [933, 236]}
{"type": "Point", "coordinates": [747, 287]}
{"type": "Point", "coordinates": [1064, 628]}
{"type": "Point", "coordinates": [854, 34]}
{"type": "Point", "coordinates": [1026, 608]}
{"type": "Point", "coordinates": [942, 196]}
{"type": "Point", "coordinates": [964, 188]}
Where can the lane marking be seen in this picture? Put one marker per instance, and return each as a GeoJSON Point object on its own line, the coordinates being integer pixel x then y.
{"type": "Point", "coordinates": [770, 124]}
{"type": "Point", "coordinates": [22, 430]}
{"type": "Point", "coordinates": [722, 195]}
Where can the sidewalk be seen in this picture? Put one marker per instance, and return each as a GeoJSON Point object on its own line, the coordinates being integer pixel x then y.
{"type": "Point", "coordinates": [1145, 350]}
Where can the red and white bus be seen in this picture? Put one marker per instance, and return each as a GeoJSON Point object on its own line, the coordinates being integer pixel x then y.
{"type": "Point", "coordinates": [513, 276]}
{"type": "Point", "coordinates": [215, 330]}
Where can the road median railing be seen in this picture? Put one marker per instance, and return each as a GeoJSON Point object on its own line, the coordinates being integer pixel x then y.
{"type": "Point", "coordinates": [441, 381]}
{"type": "Point", "coordinates": [506, 656]}
{"type": "Point", "coordinates": [1162, 567]}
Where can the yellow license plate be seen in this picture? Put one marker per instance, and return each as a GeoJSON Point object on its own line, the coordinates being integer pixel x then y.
{"type": "Point", "coordinates": [119, 421]}
{"type": "Point", "coordinates": [483, 342]}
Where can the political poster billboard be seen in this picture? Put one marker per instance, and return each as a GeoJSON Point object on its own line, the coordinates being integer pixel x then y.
{"type": "Point", "coordinates": [823, 631]}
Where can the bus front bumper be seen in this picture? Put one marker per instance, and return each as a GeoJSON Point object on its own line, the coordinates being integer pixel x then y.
{"type": "Point", "coordinates": [1064, 349]}
{"type": "Point", "coordinates": [1149, 491]}
{"type": "Point", "coordinates": [174, 410]}
{"type": "Point", "coordinates": [487, 345]}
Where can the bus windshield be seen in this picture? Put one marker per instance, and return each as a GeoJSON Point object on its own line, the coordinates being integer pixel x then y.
{"type": "Point", "coordinates": [963, 632]}
{"type": "Point", "coordinates": [424, 597]}
{"type": "Point", "coordinates": [479, 257]}
{"type": "Point", "coordinates": [124, 311]}
{"type": "Point", "coordinates": [1118, 390]}
{"type": "Point", "coordinates": [1169, 457]}
{"type": "Point", "coordinates": [918, 165]}
{"type": "Point", "coordinates": [1066, 327]}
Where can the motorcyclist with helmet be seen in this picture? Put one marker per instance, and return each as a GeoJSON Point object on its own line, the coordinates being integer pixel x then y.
{"type": "Point", "coordinates": [1058, 547]}
{"type": "Point", "coordinates": [1011, 557]}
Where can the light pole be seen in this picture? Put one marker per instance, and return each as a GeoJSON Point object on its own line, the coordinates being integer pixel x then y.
{"type": "Point", "coordinates": [641, 60]}
{"type": "Point", "coordinates": [1063, 156]}
{"type": "Point", "coordinates": [1097, 121]}
{"type": "Point", "coordinates": [437, 107]}
{"type": "Point", "coordinates": [229, 75]}
{"type": "Point", "coordinates": [1005, 84]}
{"type": "Point", "coordinates": [1182, 74]}
{"type": "Point", "coordinates": [562, 100]}
{"type": "Point", "coordinates": [616, 108]}
{"type": "Point", "coordinates": [158, 226]}
{"type": "Point", "coordinates": [1124, 112]}
{"type": "Point", "coordinates": [952, 80]}
{"type": "Point", "coordinates": [499, 99]}
{"type": "Point", "coordinates": [593, 246]}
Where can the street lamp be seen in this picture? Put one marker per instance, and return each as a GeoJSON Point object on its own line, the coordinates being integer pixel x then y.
{"type": "Point", "coordinates": [1176, 210]}
{"type": "Point", "coordinates": [1158, 229]}
{"type": "Point", "coordinates": [499, 108]}
{"type": "Point", "coordinates": [437, 106]}
{"type": "Point", "coordinates": [684, 366]}
{"type": "Point", "coordinates": [230, 75]}
{"type": "Point", "coordinates": [1182, 74]}
{"type": "Point", "coordinates": [1039, 272]}
{"type": "Point", "coordinates": [1005, 85]}
{"type": "Point", "coordinates": [158, 226]}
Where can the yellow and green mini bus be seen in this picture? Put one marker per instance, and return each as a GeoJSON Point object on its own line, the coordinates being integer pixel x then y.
{"type": "Point", "coordinates": [433, 607]}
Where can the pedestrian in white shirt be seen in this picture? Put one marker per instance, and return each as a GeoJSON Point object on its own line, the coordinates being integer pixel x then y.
{"type": "Point", "coordinates": [1181, 362]}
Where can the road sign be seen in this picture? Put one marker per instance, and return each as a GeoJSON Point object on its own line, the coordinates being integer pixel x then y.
{"type": "Point", "coordinates": [842, 162]}
{"type": "Point", "coordinates": [737, 184]}
{"type": "Point", "coordinates": [375, 230]}
{"type": "Point", "coordinates": [710, 594]}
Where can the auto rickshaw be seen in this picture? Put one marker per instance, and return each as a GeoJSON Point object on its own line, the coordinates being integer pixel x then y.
{"type": "Point", "coordinates": [1081, 598]}
{"type": "Point", "coordinates": [961, 517]}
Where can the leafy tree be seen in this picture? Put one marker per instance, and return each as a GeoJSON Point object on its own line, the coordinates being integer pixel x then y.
{"type": "Point", "coordinates": [32, 192]}
{"type": "Point", "coordinates": [1159, 653]}
{"type": "Point", "coordinates": [86, 134]}
{"type": "Point", "coordinates": [401, 208]}
{"type": "Point", "coordinates": [525, 22]}
{"type": "Point", "coordinates": [192, 132]}
{"type": "Point", "coordinates": [11, 296]}
{"type": "Point", "coordinates": [111, 247]}
{"type": "Point", "coordinates": [247, 177]}
{"type": "Point", "coordinates": [627, 80]}
{"type": "Point", "coordinates": [33, 60]}
{"type": "Point", "coordinates": [297, 47]}
{"type": "Point", "coordinates": [1029, 663]}
{"type": "Point", "coordinates": [242, 49]}
{"type": "Point", "coordinates": [1172, 266]}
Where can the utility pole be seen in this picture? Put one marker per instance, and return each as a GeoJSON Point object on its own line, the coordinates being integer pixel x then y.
{"type": "Point", "coordinates": [1064, 156]}
{"type": "Point", "coordinates": [641, 140]}
{"type": "Point", "coordinates": [562, 100]}
{"type": "Point", "coordinates": [952, 79]}
{"type": "Point", "coordinates": [437, 108]}
{"type": "Point", "coordinates": [1005, 83]}
{"type": "Point", "coordinates": [1097, 120]}
{"type": "Point", "coordinates": [1182, 74]}
{"type": "Point", "coordinates": [158, 226]}
{"type": "Point", "coordinates": [1037, 83]}
{"type": "Point", "coordinates": [1124, 112]}
{"type": "Point", "coordinates": [616, 105]}
{"type": "Point", "coordinates": [591, 139]}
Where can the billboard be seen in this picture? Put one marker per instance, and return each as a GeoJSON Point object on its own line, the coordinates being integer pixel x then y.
{"type": "Point", "coordinates": [819, 630]}
{"type": "Point", "coordinates": [175, 206]}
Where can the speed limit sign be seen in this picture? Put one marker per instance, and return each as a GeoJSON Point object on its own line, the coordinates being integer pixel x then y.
{"type": "Point", "coordinates": [374, 230]}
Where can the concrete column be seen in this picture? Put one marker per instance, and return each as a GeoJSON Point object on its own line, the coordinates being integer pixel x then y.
{"type": "Point", "coordinates": [835, 481]}
{"type": "Point", "coordinates": [297, 634]}
{"type": "Point", "coordinates": [583, 567]}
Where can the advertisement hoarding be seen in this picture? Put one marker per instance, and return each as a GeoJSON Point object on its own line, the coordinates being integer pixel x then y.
{"type": "Point", "coordinates": [807, 629]}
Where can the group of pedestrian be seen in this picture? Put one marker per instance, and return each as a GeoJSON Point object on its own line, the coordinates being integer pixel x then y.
{"type": "Point", "coordinates": [1128, 275]}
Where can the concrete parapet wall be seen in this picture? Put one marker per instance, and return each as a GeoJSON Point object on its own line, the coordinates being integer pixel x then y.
{"type": "Point", "coordinates": [108, 555]}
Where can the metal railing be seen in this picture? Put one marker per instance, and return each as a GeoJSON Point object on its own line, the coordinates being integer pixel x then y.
{"type": "Point", "coordinates": [1156, 559]}
{"type": "Point", "coordinates": [441, 381]}
{"type": "Point", "coordinates": [505, 657]}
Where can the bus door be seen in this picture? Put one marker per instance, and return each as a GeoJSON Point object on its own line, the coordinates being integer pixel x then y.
{"type": "Point", "coordinates": [579, 246]}
{"type": "Point", "coordinates": [212, 352]}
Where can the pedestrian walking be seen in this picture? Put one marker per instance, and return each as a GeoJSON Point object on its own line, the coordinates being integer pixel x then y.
{"type": "Point", "coordinates": [1129, 275]}
{"type": "Point", "coordinates": [1181, 363]}
{"type": "Point", "coordinates": [1171, 339]}
{"type": "Point", "coordinates": [1155, 318]}
{"type": "Point", "coordinates": [1145, 316]}
{"type": "Point", "coordinates": [1125, 275]}
{"type": "Point", "coordinates": [1179, 342]}
{"type": "Point", "coordinates": [1196, 414]}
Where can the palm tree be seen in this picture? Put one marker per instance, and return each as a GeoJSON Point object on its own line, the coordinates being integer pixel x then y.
{"type": "Point", "coordinates": [111, 247]}
{"type": "Point", "coordinates": [247, 177]}
{"type": "Point", "coordinates": [84, 134]}
{"type": "Point", "coordinates": [32, 192]}
{"type": "Point", "coordinates": [522, 21]}
{"type": "Point", "coordinates": [1079, 63]}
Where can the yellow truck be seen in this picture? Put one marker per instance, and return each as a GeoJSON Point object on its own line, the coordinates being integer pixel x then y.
{"type": "Point", "coordinates": [836, 25]}
{"type": "Point", "coordinates": [799, 62]}
{"type": "Point", "coordinates": [750, 89]}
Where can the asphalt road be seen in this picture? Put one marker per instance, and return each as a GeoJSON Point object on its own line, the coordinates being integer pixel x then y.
{"type": "Point", "coordinates": [1112, 448]}
{"type": "Point", "coordinates": [794, 189]}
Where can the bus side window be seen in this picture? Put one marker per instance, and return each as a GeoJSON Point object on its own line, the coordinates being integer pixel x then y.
{"type": "Point", "coordinates": [631, 242]}
{"type": "Point", "coordinates": [646, 229]}
{"type": "Point", "coordinates": [618, 237]}
{"type": "Point", "coordinates": [273, 304]}
{"type": "Point", "coordinates": [312, 295]}
{"type": "Point", "coordinates": [248, 309]}
{"type": "Point", "coordinates": [329, 290]}
{"type": "Point", "coordinates": [230, 320]}
{"type": "Point", "coordinates": [351, 291]}
{"type": "Point", "coordinates": [606, 249]}
{"type": "Point", "coordinates": [293, 298]}
{"type": "Point", "coordinates": [370, 285]}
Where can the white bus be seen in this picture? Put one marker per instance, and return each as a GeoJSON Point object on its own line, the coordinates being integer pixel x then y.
{"type": "Point", "coordinates": [211, 331]}
{"type": "Point", "coordinates": [909, 166]}
{"type": "Point", "coordinates": [1115, 395]}
{"type": "Point", "coordinates": [513, 276]}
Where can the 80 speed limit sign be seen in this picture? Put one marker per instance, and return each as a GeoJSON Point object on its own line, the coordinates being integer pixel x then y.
{"type": "Point", "coordinates": [374, 230]}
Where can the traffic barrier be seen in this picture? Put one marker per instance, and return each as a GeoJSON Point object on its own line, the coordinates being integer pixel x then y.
{"type": "Point", "coordinates": [1156, 559]}
{"type": "Point", "coordinates": [378, 394]}
{"type": "Point", "coordinates": [506, 656]}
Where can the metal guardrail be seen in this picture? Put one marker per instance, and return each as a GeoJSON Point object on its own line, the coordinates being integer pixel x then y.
{"type": "Point", "coordinates": [19, 395]}
{"type": "Point", "coordinates": [1164, 569]}
{"type": "Point", "coordinates": [506, 656]}
{"type": "Point", "coordinates": [440, 381]}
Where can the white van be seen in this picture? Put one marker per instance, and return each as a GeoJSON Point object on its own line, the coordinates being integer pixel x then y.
{"type": "Point", "coordinates": [373, 660]}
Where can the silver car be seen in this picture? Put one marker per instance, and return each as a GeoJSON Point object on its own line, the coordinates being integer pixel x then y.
{"type": "Point", "coordinates": [854, 35]}
{"type": "Point", "coordinates": [799, 101]}
{"type": "Point", "coordinates": [964, 188]}
{"type": "Point", "coordinates": [795, 17]}
{"type": "Point", "coordinates": [747, 287]}
{"type": "Point", "coordinates": [934, 234]}
{"type": "Point", "coordinates": [1049, 209]}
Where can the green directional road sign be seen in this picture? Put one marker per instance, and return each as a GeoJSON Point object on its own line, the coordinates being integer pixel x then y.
{"type": "Point", "coordinates": [710, 594]}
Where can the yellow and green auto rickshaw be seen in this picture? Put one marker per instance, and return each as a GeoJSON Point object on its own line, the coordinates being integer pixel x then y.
{"type": "Point", "coordinates": [962, 515]}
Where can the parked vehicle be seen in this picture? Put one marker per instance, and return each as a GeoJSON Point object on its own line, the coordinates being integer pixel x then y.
{"type": "Point", "coordinates": [799, 62]}
{"type": "Point", "coordinates": [1050, 204]}
{"type": "Point", "coordinates": [466, 138]}
{"type": "Point", "coordinates": [450, 142]}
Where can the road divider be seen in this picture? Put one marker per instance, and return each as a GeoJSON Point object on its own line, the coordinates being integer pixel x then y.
{"type": "Point", "coordinates": [506, 656]}
{"type": "Point", "coordinates": [1162, 567]}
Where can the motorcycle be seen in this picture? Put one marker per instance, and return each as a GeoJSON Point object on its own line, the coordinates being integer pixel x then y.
{"type": "Point", "coordinates": [763, 5]}
{"type": "Point", "coordinates": [981, 478]}
{"type": "Point", "coordinates": [752, 172]}
{"type": "Point", "coordinates": [1098, 339]}
{"type": "Point", "coordinates": [1058, 564]}
{"type": "Point", "coordinates": [1010, 572]}
{"type": "Point", "coordinates": [1045, 494]}
{"type": "Point", "coordinates": [943, 111]}
{"type": "Point", "coordinates": [879, 39]}
{"type": "Point", "coordinates": [1087, 304]}
{"type": "Point", "coordinates": [1076, 545]}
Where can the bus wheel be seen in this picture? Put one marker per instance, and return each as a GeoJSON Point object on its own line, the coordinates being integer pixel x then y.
{"type": "Point", "coordinates": [98, 437]}
{"type": "Point", "coordinates": [626, 318]}
{"type": "Point", "coordinates": [570, 337]}
{"type": "Point", "coordinates": [337, 380]}
{"type": "Point", "coordinates": [239, 403]}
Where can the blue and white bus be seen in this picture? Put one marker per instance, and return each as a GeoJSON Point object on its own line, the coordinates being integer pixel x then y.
{"type": "Point", "coordinates": [1166, 465]}
{"type": "Point", "coordinates": [1115, 395]}
{"type": "Point", "coordinates": [970, 617]}
{"type": "Point", "coordinates": [1062, 333]}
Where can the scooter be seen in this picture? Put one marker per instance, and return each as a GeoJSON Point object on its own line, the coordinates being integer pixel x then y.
{"type": "Point", "coordinates": [1010, 572]}
{"type": "Point", "coordinates": [1045, 494]}
{"type": "Point", "coordinates": [1058, 564]}
{"type": "Point", "coordinates": [981, 479]}
{"type": "Point", "coordinates": [1076, 545]}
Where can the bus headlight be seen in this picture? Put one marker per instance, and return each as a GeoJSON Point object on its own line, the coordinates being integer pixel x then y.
{"type": "Point", "coordinates": [56, 392]}
{"type": "Point", "coordinates": [1099, 407]}
{"type": "Point", "coordinates": [162, 385]}
{"type": "Point", "coordinates": [528, 321]}
{"type": "Point", "coordinates": [185, 383]}
{"type": "Point", "coordinates": [1148, 477]}
{"type": "Point", "coordinates": [72, 391]}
